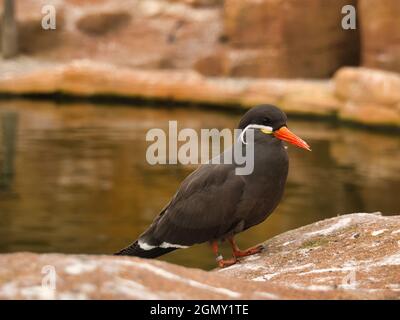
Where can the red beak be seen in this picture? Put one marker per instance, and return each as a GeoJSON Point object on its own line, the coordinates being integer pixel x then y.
{"type": "Point", "coordinates": [286, 135]}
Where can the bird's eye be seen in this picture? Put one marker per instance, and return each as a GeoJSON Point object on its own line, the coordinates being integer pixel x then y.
{"type": "Point", "coordinates": [267, 120]}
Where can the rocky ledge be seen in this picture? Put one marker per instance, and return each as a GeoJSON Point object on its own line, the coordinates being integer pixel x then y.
{"type": "Point", "coordinates": [362, 95]}
{"type": "Point", "coordinates": [355, 256]}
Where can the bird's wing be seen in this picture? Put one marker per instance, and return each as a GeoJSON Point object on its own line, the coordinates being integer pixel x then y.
{"type": "Point", "coordinates": [202, 209]}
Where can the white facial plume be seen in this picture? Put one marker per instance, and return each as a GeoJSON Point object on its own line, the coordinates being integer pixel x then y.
{"type": "Point", "coordinates": [254, 126]}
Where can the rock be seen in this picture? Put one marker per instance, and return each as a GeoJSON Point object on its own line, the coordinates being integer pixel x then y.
{"type": "Point", "coordinates": [371, 96]}
{"type": "Point", "coordinates": [282, 38]}
{"type": "Point", "coordinates": [368, 85]}
{"type": "Point", "coordinates": [358, 94]}
{"type": "Point", "coordinates": [349, 257]}
{"type": "Point", "coordinates": [212, 65]}
{"type": "Point", "coordinates": [100, 23]}
{"type": "Point", "coordinates": [358, 253]}
{"type": "Point", "coordinates": [264, 38]}
{"type": "Point", "coordinates": [32, 38]}
{"type": "Point", "coordinates": [246, 62]}
{"type": "Point", "coordinates": [201, 3]}
{"type": "Point", "coordinates": [268, 38]}
{"type": "Point", "coordinates": [44, 41]}
{"type": "Point", "coordinates": [147, 34]}
{"type": "Point", "coordinates": [86, 78]}
{"type": "Point", "coordinates": [380, 33]}
{"type": "Point", "coordinates": [371, 114]}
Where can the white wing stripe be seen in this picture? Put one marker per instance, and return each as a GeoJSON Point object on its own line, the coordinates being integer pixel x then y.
{"type": "Point", "coordinates": [164, 245]}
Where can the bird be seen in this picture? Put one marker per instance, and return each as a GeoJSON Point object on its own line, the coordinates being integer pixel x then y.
{"type": "Point", "coordinates": [213, 204]}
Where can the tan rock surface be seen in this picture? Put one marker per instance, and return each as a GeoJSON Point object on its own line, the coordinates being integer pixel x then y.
{"type": "Point", "coordinates": [286, 38]}
{"type": "Point", "coordinates": [201, 3]}
{"type": "Point", "coordinates": [354, 256]}
{"type": "Point", "coordinates": [368, 85]}
{"type": "Point", "coordinates": [357, 253]}
{"type": "Point", "coordinates": [87, 78]}
{"type": "Point", "coordinates": [267, 38]}
{"type": "Point", "coordinates": [371, 96]}
{"type": "Point", "coordinates": [135, 33]}
{"type": "Point", "coordinates": [264, 38]}
{"type": "Point", "coordinates": [358, 94]}
{"type": "Point", "coordinates": [371, 114]}
{"type": "Point", "coordinates": [380, 33]}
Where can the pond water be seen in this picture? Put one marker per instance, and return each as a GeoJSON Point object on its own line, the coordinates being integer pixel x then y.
{"type": "Point", "coordinates": [74, 178]}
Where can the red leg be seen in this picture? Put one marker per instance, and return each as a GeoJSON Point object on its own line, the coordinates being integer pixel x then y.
{"type": "Point", "coordinates": [220, 260]}
{"type": "Point", "coordinates": [244, 253]}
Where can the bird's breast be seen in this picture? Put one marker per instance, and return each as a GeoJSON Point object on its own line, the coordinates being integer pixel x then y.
{"type": "Point", "coordinates": [265, 186]}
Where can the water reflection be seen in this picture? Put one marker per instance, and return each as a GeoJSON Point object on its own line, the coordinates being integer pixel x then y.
{"type": "Point", "coordinates": [80, 182]}
{"type": "Point", "coordinates": [8, 122]}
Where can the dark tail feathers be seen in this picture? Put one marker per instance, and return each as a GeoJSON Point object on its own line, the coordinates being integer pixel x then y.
{"type": "Point", "coordinates": [135, 250]}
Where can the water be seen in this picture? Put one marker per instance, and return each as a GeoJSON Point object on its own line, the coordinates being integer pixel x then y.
{"type": "Point", "coordinates": [74, 178]}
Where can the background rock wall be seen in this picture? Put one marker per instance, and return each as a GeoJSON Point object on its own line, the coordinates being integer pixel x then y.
{"type": "Point", "coordinates": [154, 34]}
{"type": "Point", "coordinates": [380, 33]}
{"type": "Point", "coordinates": [277, 38]}
{"type": "Point", "coordinates": [239, 38]}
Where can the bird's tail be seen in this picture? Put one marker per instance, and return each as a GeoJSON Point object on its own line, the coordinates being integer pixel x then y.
{"type": "Point", "coordinates": [135, 250]}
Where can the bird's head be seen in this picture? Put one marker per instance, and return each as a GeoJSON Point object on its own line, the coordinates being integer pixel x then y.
{"type": "Point", "coordinates": [270, 120]}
